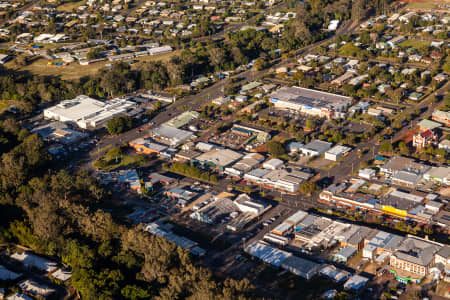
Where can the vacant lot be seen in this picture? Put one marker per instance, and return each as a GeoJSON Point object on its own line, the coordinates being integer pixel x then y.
{"type": "Point", "coordinates": [425, 4]}
{"type": "Point", "coordinates": [70, 6]}
{"type": "Point", "coordinates": [69, 72]}
{"type": "Point", "coordinates": [74, 70]}
{"type": "Point", "coordinates": [414, 44]}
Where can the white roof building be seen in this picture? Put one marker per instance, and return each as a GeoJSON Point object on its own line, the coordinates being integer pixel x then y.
{"type": "Point", "coordinates": [315, 148]}
{"type": "Point", "coordinates": [273, 164]}
{"type": "Point", "coordinates": [62, 275]}
{"type": "Point", "coordinates": [333, 25]}
{"type": "Point", "coordinates": [267, 253]}
{"type": "Point", "coordinates": [171, 135]}
{"type": "Point", "coordinates": [219, 158]}
{"type": "Point", "coordinates": [438, 174]}
{"type": "Point", "coordinates": [301, 267]}
{"type": "Point", "coordinates": [311, 102]}
{"type": "Point", "coordinates": [31, 260]}
{"type": "Point", "coordinates": [87, 112]}
{"type": "Point", "coordinates": [246, 204]}
{"type": "Point", "coordinates": [336, 152]}
{"type": "Point", "coordinates": [356, 282]}
{"type": "Point", "coordinates": [34, 288]}
{"type": "Point", "coordinates": [18, 296]}
{"type": "Point", "coordinates": [367, 173]}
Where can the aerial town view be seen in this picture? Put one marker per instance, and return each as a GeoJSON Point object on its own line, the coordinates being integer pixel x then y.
{"type": "Point", "coordinates": [224, 149]}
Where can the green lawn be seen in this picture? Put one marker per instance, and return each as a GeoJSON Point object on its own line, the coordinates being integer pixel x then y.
{"type": "Point", "coordinates": [124, 161]}
{"type": "Point", "coordinates": [414, 43]}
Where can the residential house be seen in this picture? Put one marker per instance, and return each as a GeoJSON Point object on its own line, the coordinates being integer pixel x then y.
{"type": "Point", "coordinates": [441, 77]}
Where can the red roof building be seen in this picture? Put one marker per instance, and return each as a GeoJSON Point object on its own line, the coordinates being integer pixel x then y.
{"type": "Point", "coordinates": [424, 138]}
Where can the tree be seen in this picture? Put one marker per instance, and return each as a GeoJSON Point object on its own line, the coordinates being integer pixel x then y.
{"type": "Point", "coordinates": [239, 57]}
{"type": "Point", "coordinates": [397, 124]}
{"type": "Point", "coordinates": [275, 148]}
{"type": "Point", "coordinates": [93, 53]}
{"type": "Point", "coordinates": [310, 124]}
{"type": "Point", "coordinates": [217, 57]}
{"type": "Point", "coordinates": [260, 64]}
{"type": "Point", "coordinates": [119, 124]}
{"type": "Point", "coordinates": [403, 148]}
{"type": "Point", "coordinates": [396, 95]}
{"type": "Point", "coordinates": [300, 136]}
{"type": "Point", "coordinates": [298, 76]}
{"type": "Point", "coordinates": [134, 292]}
{"type": "Point", "coordinates": [389, 131]}
{"type": "Point", "coordinates": [386, 147]}
{"type": "Point", "coordinates": [349, 50]}
{"type": "Point", "coordinates": [308, 187]}
{"type": "Point", "coordinates": [113, 153]}
{"type": "Point", "coordinates": [175, 71]}
{"type": "Point", "coordinates": [358, 10]}
{"type": "Point", "coordinates": [157, 106]}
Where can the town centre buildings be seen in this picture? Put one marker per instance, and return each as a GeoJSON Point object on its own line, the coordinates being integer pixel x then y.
{"type": "Point", "coordinates": [311, 102]}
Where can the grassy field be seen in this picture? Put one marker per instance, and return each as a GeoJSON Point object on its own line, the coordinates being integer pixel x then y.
{"type": "Point", "coordinates": [69, 6]}
{"type": "Point", "coordinates": [69, 72]}
{"type": "Point", "coordinates": [74, 70]}
{"type": "Point", "coordinates": [425, 4]}
{"type": "Point", "coordinates": [414, 43]}
{"type": "Point", "coordinates": [124, 162]}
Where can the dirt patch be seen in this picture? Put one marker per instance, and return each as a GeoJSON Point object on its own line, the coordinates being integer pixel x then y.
{"type": "Point", "coordinates": [408, 137]}
{"type": "Point", "coordinates": [444, 192]}
{"type": "Point", "coordinates": [322, 163]}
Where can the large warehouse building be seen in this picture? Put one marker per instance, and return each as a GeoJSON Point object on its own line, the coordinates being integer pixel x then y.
{"type": "Point", "coordinates": [87, 112]}
{"type": "Point", "coordinates": [311, 102]}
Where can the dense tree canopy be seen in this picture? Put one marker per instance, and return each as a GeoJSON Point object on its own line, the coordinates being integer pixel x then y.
{"type": "Point", "coordinates": [275, 148]}
{"type": "Point", "coordinates": [119, 124]}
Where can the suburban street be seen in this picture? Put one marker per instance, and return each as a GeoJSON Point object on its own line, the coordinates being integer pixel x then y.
{"type": "Point", "coordinates": [196, 101]}
{"type": "Point", "coordinates": [351, 161]}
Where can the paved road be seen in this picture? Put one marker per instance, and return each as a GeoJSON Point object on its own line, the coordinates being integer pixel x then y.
{"type": "Point", "coordinates": [204, 96]}
{"type": "Point", "coordinates": [344, 168]}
